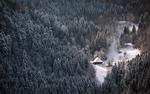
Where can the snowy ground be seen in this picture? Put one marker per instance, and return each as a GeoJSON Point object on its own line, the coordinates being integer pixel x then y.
{"type": "Point", "coordinates": [124, 55]}
{"type": "Point", "coordinates": [101, 73]}
{"type": "Point", "coordinates": [116, 55]}
{"type": "Point", "coordinates": [102, 70]}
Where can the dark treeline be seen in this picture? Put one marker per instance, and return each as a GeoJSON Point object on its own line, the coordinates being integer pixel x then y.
{"type": "Point", "coordinates": [45, 46]}
{"type": "Point", "coordinates": [133, 80]}
{"type": "Point", "coordinates": [38, 55]}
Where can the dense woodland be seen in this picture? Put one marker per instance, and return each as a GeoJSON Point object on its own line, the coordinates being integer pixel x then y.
{"type": "Point", "coordinates": [45, 46]}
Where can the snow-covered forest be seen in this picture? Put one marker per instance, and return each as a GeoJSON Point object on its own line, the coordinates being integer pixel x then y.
{"type": "Point", "coordinates": [74, 47]}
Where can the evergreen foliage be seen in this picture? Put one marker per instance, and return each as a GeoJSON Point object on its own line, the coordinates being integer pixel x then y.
{"type": "Point", "coordinates": [41, 44]}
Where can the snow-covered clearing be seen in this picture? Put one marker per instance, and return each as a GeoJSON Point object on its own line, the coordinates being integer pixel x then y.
{"type": "Point", "coordinates": [101, 73]}
{"type": "Point", "coordinates": [125, 54]}
{"type": "Point", "coordinates": [115, 55]}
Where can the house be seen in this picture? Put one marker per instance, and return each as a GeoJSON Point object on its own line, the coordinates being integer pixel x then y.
{"type": "Point", "coordinates": [97, 60]}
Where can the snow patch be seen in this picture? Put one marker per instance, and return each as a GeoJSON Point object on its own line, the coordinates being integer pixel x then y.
{"type": "Point", "coordinates": [125, 54]}
{"type": "Point", "coordinates": [101, 73]}
{"type": "Point", "coordinates": [115, 55]}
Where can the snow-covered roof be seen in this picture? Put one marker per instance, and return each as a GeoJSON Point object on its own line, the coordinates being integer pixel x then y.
{"type": "Point", "coordinates": [129, 45]}
{"type": "Point", "coordinates": [97, 59]}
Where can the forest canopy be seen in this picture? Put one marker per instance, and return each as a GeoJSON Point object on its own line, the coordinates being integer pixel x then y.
{"type": "Point", "coordinates": [46, 45]}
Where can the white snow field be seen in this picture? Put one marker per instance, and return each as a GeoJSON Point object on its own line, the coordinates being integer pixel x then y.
{"type": "Point", "coordinates": [125, 54]}
{"type": "Point", "coordinates": [115, 55]}
{"type": "Point", "coordinates": [101, 73]}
